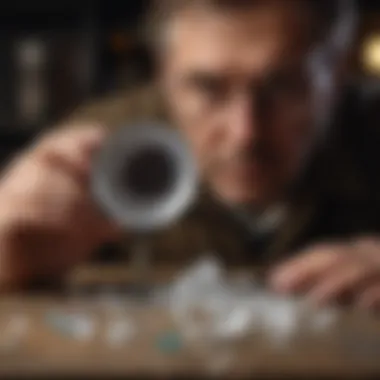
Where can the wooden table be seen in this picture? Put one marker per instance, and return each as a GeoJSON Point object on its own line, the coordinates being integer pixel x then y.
{"type": "Point", "coordinates": [351, 350]}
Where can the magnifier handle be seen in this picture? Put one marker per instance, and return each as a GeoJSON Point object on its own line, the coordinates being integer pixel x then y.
{"type": "Point", "coordinates": [141, 264]}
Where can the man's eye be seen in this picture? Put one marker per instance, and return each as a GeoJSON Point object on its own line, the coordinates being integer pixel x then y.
{"type": "Point", "coordinates": [210, 87]}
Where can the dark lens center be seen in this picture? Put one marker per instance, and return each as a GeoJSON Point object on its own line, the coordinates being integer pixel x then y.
{"type": "Point", "coordinates": [149, 173]}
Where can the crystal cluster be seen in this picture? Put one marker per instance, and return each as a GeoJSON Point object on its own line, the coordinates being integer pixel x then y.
{"type": "Point", "coordinates": [206, 304]}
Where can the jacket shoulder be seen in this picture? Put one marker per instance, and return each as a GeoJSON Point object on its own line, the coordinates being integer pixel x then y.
{"type": "Point", "coordinates": [114, 110]}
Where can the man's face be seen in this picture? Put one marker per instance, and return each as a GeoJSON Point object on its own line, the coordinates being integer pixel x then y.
{"type": "Point", "coordinates": [240, 87]}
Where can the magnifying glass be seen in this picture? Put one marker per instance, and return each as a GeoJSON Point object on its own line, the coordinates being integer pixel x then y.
{"type": "Point", "coordinates": [144, 178]}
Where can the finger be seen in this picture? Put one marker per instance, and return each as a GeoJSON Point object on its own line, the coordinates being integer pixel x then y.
{"type": "Point", "coordinates": [84, 135]}
{"type": "Point", "coordinates": [339, 282]}
{"type": "Point", "coordinates": [73, 151]}
{"type": "Point", "coordinates": [87, 138]}
{"type": "Point", "coordinates": [370, 297]}
{"type": "Point", "coordinates": [304, 270]}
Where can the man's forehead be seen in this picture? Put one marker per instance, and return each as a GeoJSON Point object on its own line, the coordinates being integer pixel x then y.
{"type": "Point", "coordinates": [221, 40]}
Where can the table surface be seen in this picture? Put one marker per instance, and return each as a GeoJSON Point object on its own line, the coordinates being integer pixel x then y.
{"type": "Point", "coordinates": [351, 349]}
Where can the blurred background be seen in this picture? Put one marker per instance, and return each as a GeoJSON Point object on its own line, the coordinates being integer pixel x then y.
{"type": "Point", "coordinates": [55, 55]}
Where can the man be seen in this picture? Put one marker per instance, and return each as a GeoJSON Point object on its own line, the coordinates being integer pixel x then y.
{"type": "Point", "coordinates": [251, 85]}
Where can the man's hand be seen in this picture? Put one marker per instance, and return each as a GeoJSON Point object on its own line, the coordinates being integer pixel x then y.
{"type": "Point", "coordinates": [48, 222]}
{"type": "Point", "coordinates": [327, 273]}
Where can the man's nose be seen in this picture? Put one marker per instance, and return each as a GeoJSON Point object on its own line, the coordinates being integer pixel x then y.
{"type": "Point", "coordinates": [244, 120]}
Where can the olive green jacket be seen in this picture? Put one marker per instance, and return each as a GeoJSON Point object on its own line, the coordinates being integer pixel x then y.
{"type": "Point", "coordinates": [337, 198]}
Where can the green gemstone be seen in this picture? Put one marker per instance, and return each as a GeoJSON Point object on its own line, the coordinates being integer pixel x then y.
{"type": "Point", "coordinates": [169, 342]}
